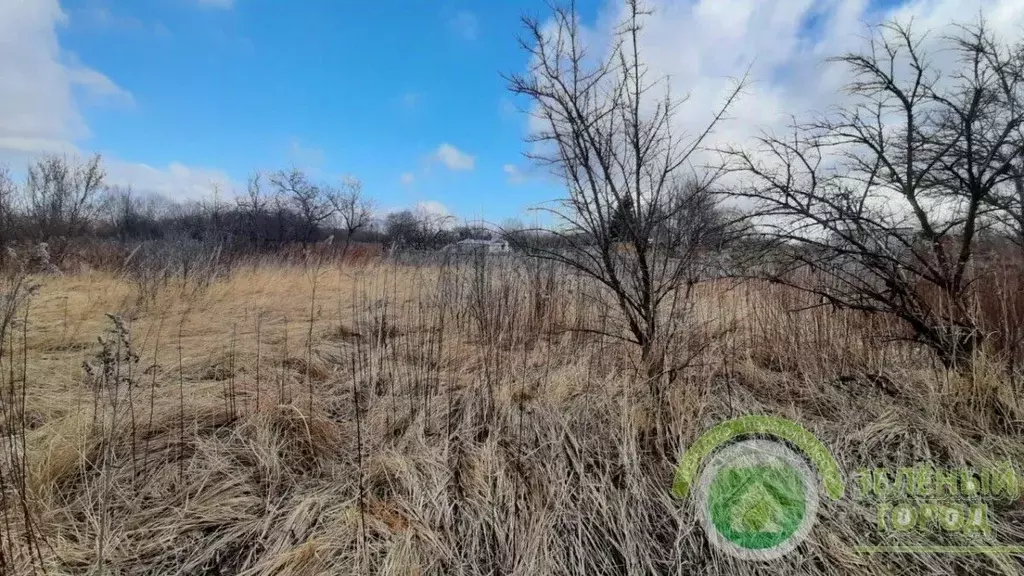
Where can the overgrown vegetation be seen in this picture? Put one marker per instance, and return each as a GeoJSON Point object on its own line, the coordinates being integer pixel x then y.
{"type": "Point", "coordinates": [889, 200]}
{"type": "Point", "coordinates": [224, 389]}
{"type": "Point", "coordinates": [465, 416]}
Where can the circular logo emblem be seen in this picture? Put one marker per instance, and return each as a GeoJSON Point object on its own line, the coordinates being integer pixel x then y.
{"type": "Point", "coordinates": [757, 499]}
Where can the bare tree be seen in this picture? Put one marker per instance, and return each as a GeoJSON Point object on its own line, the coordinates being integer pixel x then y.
{"type": "Point", "coordinates": [877, 206]}
{"type": "Point", "coordinates": [61, 194]}
{"type": "Point", "coordinates": [215, 214]}
{"type": "Point", "coordinates": [609, 132]}
{"type": "Point", "coordinates": [128, 215]}
{"type": "Point", "coordinates": [417, 228]}
{"type": "Point", "coordinates": [354, 210]}
{"type": "Point", "coordinates": [254, 208]}
{"type": "Point", "coordinates": [311, 202]}
{"type": "Point", "coordinates": [1007, 200]}
{"type": "Point", "coordinates": [402, 228]}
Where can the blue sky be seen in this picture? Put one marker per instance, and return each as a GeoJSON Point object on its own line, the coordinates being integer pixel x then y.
{"type": "Point", "coordinates": [367, 88]}
{"type": "Point", "coordinates": [184, 95]}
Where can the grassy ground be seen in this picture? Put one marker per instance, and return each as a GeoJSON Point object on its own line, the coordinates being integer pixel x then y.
{"type": "Point", "coordinates": [382, 419]}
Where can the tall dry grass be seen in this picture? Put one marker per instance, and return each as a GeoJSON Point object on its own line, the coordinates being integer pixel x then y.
{"type": "Point", "coordinates": [463, 417]}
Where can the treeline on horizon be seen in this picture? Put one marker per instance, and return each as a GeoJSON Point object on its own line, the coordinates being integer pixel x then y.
{"type": "Point", "coordinates": [66, 202]}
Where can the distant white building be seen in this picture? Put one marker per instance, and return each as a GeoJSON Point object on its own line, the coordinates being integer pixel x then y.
{"type": "Point", "coordinates": [470, 245]}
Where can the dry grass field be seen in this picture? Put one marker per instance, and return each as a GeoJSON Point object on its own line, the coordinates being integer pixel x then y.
{"type": "Point", "coordinates": [389, 419]}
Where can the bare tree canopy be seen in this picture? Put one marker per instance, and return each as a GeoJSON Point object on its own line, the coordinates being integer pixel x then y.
{"type": "Point", "coordinates": [129, 214]}
{"type": "Point", "coordinates": [313, 203]}
{"type": "Point", "coordinates": [61, 195]}
{"type": "Point", "coordinates": [610, 134]}
{"type": "Point", "coordinates": [417, 229]}
{"type": "Point", "coordinates": [353, 208]}
{"type": "Point", "coordinates": [1008, 200]}
{"type": "Point", "coordinates": [878, 205]}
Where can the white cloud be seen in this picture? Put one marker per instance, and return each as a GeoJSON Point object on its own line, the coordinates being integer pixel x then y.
{"type": "Point", "coordinates": [513, 174]}
{"type": "Point", "coordinates": [453, 158]}
{"type": "Point", "coordinates": [42, 89]}
{"type": "Point", "coordinates": [175, 181]}
{"type": "Point", "coordinates": [408, 178]}
{"type": "Point", "coordinates": [702, 45]}
{"type": "Point", "coordinates": [221, 4]}
{"type": "Point", "coordinates": [464, 24]}
{"type": "Point", "coordinates": [39, 111]}
{"type": "Point", "coordinates": [99, 86]}
{"type": "Point", "coordinates": [432, 209]}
